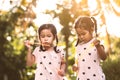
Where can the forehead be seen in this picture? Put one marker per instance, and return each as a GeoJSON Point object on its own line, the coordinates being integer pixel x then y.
{"type": "Point", "coordinates": [80, 30]}
{"type": "Point", "coordinates": [46, 31]}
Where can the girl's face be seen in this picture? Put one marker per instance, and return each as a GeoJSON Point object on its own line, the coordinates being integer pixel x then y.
{"type": "Point", "coordinates": [83, 35]}
{"type": "Point", "coordinates": [46, 38]}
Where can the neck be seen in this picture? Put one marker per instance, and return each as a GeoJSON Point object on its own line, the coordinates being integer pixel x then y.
{"type": "Point", "coordinates": [48, 48]}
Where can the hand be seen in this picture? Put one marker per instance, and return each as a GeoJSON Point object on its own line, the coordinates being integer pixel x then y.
{"type": "Point", "coordinates": [61, 72]}
{"type": "Point", "coordinates": [27, 44]}
{"type": "Point", "coordinates": [96, 42]}
{"type": "Point", "coordinates": [74, 68]}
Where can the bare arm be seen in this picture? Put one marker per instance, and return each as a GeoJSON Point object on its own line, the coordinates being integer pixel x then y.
{"type": "Point", "coordinates": [62, 68]}
{"type": "Point", "coordinates": [30, 59]}
{"type": "Point", "coordinates": [63, 65]}
{"type": "Point", "coordinates": [100, 50]}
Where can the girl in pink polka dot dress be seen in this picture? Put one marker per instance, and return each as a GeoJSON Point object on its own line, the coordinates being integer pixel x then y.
{"type": "Point", "coordinates": [49, 59]}
{"type": "Point", "coordinates": [89, 51]}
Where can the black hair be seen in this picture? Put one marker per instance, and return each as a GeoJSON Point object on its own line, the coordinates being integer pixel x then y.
{"type": "Point", "coordinates": [88, 23]}
{"type": "Point", "coordinates": [53, 30]}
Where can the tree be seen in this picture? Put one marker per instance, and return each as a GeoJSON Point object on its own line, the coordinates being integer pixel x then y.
{"type": "Point", "coordinates": [12, 30]}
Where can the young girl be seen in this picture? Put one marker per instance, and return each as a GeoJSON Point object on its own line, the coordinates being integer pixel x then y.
{"type": "Point", "coordinates": [89, 52]}
{"type": "Point", "coordinates": [49, 58]}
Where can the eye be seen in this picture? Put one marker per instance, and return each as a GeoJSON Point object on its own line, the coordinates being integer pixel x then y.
{"type": "Point", "coordinates": [42, 36]}
{"type": "Point", "coordinates": [78, 34]}
{"type": "Point", "coordinates": [83, 33]}
{"type": "Point", "coordinates": [49, 35]}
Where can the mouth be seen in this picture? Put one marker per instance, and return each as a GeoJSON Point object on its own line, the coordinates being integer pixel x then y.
{"type": "Point", "coordinates": [81, 40]}
{"type": "Point", "coordinates": [46, 44]}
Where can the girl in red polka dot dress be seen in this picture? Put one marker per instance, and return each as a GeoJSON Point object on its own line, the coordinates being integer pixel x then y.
{"type": "Point", "coordinates": [89, 51]}
{"type": "Point", "coordinates": [49, 58]}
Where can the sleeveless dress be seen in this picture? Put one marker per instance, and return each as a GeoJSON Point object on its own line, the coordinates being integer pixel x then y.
{"type": "Point", "coordinates": [48, 63]}
{"type": "Point", "coordinates": [88, 62]}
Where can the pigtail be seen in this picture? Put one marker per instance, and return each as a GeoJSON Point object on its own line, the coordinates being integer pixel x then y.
{"type": "Point", "coordinates": [55, 48]}
{"type": "Point", "coordinates": [77, 42]}
{"type": "Point", "coordinates": [41, 48]}
{"type": "Point", "coordinates": [56, 40]}
{"type": "Point", "coordinates": [95, 25]}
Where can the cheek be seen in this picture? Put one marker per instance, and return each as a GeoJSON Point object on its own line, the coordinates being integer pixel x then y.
{"type": "Point", "coordinates": [41, 40]}
{"type": "Point", "coordinates": [79, 37]}
{"type": "Point", "coordinates": [52, 39]}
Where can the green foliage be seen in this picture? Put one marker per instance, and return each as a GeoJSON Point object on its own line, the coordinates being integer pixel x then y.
{"type": "Point", "coordinates": [115, 45]}
{"type": "Point", "coordinates": [12, 50]}
{"type": "Point", "coordinates": [111, 67]}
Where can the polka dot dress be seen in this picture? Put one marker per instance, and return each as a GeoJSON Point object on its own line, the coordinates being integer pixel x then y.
{"type": "Point", "coordinates": [48, 63]}
{"type": "Point", "coordinates": [88, 63]}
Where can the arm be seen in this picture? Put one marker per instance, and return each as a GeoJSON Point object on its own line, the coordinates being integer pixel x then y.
{"type": "Point", "coordinates": [75, 68]}
{"type": "Point", "coordinates": [100, 49]}
{"type": "Point", "coordinates": [101, 52]}
{"type": "Point", "coordinates": [30, 59]}
{"type": "Point", "coordinates": [62, 68]}
{"type": "Point", "coordinates": [75, 65]}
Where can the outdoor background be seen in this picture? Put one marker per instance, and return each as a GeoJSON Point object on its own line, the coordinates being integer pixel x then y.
{"type": "Point", "coordinates": [20, 19]}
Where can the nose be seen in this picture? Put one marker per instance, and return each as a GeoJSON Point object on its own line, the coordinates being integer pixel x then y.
{"type": "Point", "coordinates": [45, 38]}
{"type": "Point", "coordinates": [81, 36]}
